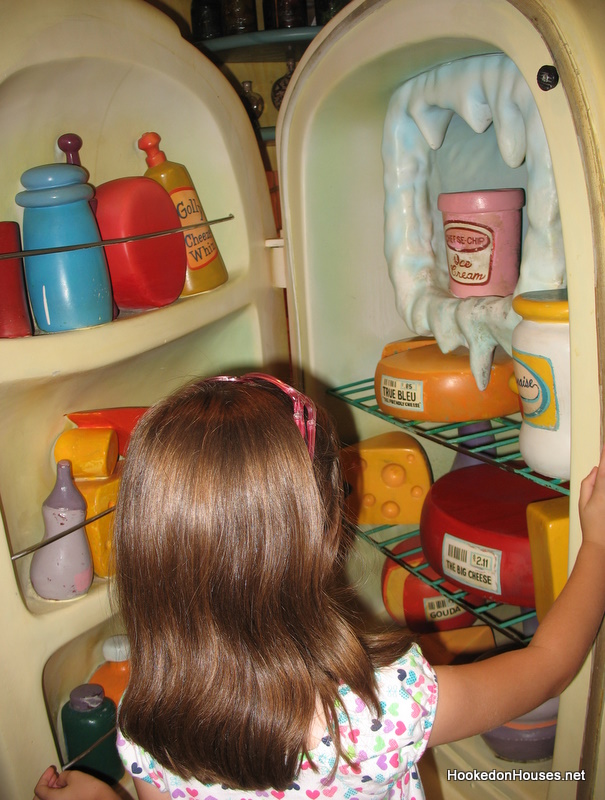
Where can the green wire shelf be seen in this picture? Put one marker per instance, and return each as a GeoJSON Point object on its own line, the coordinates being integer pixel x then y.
{"type": "Point", "coordinates": [504, 434]}
{"type": "Point", "coordinates": [508, 620]}
{"type": "Point", "coordinates": [501, 450]}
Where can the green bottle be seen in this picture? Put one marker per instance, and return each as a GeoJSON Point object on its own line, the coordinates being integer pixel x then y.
{"type": "Point", "coordinates": [86, 717]}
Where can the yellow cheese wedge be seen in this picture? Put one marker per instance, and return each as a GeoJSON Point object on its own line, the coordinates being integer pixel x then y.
{"type": "Point", "coordinates": [389, 476]}
{"type": "Point", "coordinates": [93, 452]}
{"type": "Point", "coordinates": [548, 531]}
{"type": "Point", "coordinates": [100, 494]}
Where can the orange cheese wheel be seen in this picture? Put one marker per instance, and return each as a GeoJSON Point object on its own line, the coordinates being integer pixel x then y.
{"type": "Point", "coordinates": [414, 604]}
{"type": "Point", "coordinates": [414, 380]}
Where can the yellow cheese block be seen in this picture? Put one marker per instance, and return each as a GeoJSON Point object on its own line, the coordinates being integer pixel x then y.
{"type": "Point", "coordinates": [389, 476]}
{"type": "Point", "coordinates": [548, 531]}
{"type": "Point", "coordinates": [100, 494]}
{"type": "Point", "coordinates": [93, 452]}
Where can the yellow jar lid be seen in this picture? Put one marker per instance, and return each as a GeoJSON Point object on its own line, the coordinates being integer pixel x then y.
{"type": "Point", "coordinates": [544, 306]}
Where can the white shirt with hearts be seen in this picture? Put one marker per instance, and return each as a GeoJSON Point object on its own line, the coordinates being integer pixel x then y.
{"type": "Point", "coordinates": [383, 752]}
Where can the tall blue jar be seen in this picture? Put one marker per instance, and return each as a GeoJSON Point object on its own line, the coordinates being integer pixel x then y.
{"type": "Point", "coordinates": [72, 289]}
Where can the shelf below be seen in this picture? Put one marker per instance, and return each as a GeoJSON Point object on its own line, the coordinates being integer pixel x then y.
{"type": "Point", "coordinates": [501, 450]}
{"type": "Point", "coordinates": [507, 620]}
{"type": "Point", "coordinates": [276, 45]}
{"type": "Point", "coordinates": [504, 433]}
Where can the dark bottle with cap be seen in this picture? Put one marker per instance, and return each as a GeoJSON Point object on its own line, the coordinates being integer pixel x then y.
{"type": "Point", "coordinates": [86, 718]}
{"type": "Point", "coordinates": [205, 20]}
{"type": "Point", "coordinates": [284, 14]}
{"type": "Point", "coordinates": [238, 16]}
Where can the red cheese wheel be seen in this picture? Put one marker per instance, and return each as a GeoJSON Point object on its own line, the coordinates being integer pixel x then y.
{"type": "Point", "coordinates": [147, 273]}
{"type": "Point", "coordinates": [414, 604]}
{"type": "Point", "coordinates": [473, 531]}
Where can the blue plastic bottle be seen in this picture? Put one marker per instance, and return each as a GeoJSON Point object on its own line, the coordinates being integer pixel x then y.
{"type": "Point", "coordinates": [67, 290]}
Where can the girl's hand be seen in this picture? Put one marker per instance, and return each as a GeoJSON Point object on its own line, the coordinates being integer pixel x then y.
{"type": "Point", "coordinates": [72, 785]}
{"type": "Point", "coordinates": [592, 504]}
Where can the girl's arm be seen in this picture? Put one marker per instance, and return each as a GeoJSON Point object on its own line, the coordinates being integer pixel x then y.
{"type": "Point", "coordinates": [146, 791]}
{"type": "Point", "coordinates": [474, 698]}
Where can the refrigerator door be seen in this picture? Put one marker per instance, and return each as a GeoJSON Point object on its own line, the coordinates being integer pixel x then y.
{"type": "Point", "coordinates": [109, 72]}
{"type": "Point", "coordinates": [331, 131]}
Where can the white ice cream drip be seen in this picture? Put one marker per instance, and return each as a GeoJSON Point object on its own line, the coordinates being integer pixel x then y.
{"type": "Point", "coordinates": [482, 90]}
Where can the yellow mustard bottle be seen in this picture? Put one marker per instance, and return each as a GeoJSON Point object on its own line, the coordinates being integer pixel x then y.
{"type": "Point", "coordinates": [205, 266]}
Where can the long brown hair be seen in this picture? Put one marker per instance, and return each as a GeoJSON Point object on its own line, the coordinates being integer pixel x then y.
{"type": "Point", "coordinates": [228, 541]}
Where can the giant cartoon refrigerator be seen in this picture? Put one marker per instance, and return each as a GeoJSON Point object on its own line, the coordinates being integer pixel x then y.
{"type": "Point", "coordinates": [394, 102]}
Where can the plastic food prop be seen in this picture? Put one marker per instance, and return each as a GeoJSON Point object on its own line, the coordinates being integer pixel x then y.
{"type": "Point", "coordinates": [548, 531]}
{"type": "Point", "coordinates": [542, 373]}
{"type": "Point", "coordinates": [389, 476]}
{"type": "Point", "coordinates": [68, 289]}
{"type": "Point", "coordinates": [147, 273]}
{"type": "Point", "coordinates": [122, 420]}
{"type": "Point", "coordinates": [473, 531]}
{"type": "Point", "coordinates": [483, 241]}
{"type": "Point", "coordinates": [93, 452]}
{"type": "Point", "coordinates": [15, 320]}
{"type": "Point", "coordinates": [205, 266]}
{"type": "Point", "coordinates": [415, 380]}
{"type": "Point", "coordinates": [420, 114]}
{"type": "Point", "coordinates": [94, 446]}
{"type": "Point", "coordinates": [63, 569]}
{"type": "Point", "coordinates": [411, 602]}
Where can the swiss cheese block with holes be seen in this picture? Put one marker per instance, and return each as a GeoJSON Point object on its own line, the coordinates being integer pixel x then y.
{"type": "Point", "coordinates": [387, 477]}
{"type": "Point", "coordinates": [473, 531]}
{"type": "Point", "coordinates": [100, 494]}
{"type": "Point", "coordinates": [415, 604]}
{"type": "Point", "coordinates": [548, 530]}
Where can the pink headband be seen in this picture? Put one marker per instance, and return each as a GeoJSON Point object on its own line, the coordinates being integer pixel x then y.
{"type": "Point", "coordinates": [305, 422]}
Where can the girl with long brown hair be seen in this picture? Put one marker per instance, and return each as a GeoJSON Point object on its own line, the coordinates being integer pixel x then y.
{"type": "Point", "coordinates": [248, 676]}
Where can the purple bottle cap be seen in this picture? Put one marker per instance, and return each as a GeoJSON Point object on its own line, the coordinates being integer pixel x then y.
{"type": "Point", "coordinates": [86, 697]}
{"type": "Point", "coordinates": [70, 144]}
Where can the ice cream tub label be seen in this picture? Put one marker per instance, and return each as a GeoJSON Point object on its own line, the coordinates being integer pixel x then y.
{"type": "Point", "coordinates": [470, 250]}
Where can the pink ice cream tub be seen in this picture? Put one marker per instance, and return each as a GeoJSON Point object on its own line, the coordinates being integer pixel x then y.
{"type": "Point", "coordinates": [483, 240]}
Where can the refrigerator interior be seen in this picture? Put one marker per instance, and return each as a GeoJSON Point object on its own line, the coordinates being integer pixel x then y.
{"type": "Point", "coordinates": [330, 135]}
{"type": "Point", "coordinates": [122, 68]}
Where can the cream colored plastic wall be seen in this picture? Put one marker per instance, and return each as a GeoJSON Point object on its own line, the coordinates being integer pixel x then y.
{"type": "Point", "coordinates": [109, 71]}
{"type": "Point", "coordinates": [329, 135]}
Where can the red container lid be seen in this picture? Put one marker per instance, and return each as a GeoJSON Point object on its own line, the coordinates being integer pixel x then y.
{"type": "Point", "coordinates": [486, 200]}
{"type": "Point", "coordinates": [147, 273]}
